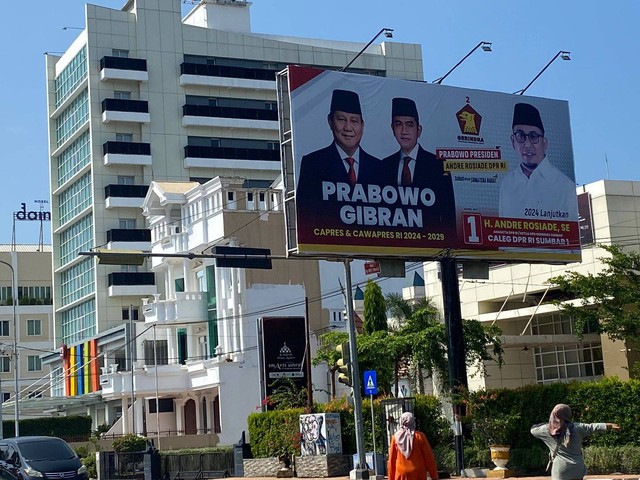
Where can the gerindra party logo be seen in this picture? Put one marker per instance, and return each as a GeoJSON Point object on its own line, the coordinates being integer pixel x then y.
{"type": "Point", "coordinates": [469, 121]}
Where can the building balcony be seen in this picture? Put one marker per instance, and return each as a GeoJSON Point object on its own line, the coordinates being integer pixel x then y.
{"type": "Point", "coordinates": [186, 307]}
{"type": "Point", "coordinates": [116, 383]}
{"type": "Point", "coordinates": [131, 284]}
{"type": "Point", "coordinates": [228, 157]}
{"type": "Point", "coordinates": [119, 68]}
{"type": "Point", "coordinates": [227, 76]}
{"type": "Point", "coordinates": [129, 239]}
{"type": "Point", "coordinates": [121, 110]}
{"type": "Point", "coordinates": [126, 153]}
{"type": "Point", "coordinates": [125, 196]}
{"type": "Point", "coordinates": [229, 117]}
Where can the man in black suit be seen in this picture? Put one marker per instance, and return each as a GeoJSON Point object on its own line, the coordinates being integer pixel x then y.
{"type": "Point", "coordinates": [414, 167]}
{"type": "Point", "coordinates": [343, 160]}
{"type": "Point", "coordinates": [339, 167]}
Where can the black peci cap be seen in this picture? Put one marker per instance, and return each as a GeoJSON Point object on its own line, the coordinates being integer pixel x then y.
{"type": "Point", "coordinates": [404, 107]}
{"type": "Point", "coordinates": [345, 101]}
{"type": "Point", "coordinates": [526, 114]}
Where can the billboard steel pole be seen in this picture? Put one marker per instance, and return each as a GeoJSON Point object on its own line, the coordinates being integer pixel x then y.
{"type": "Point", "coordinates": [455, 344]}
{"type": "Point", "coordinates": [361, 472]}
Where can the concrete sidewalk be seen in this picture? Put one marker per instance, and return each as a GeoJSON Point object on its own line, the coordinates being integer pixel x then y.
{"type": "Point", "coordinates": [613, 476]}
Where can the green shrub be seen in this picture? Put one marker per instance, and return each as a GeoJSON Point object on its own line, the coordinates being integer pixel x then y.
{"type": "Point", "coordinates": [88, 459]}
{"type": "Point", "coordinates": [129, 443]}
{"type": "Point", "coordinates": [275, 433]}
{"type": "Point", "coordinates": [73, 428]}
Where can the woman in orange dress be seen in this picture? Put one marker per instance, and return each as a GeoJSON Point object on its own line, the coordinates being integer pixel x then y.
{"type": "Point", "coordinates": [410, 455]}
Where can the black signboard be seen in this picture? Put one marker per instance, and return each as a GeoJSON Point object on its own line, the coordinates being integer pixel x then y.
{"type": "Point", "coordinates": [283, 352]}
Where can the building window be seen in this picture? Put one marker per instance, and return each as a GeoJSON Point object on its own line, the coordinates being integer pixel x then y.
{"type": "Point", "coordinates": [165, 404]}
{"type": "Point", "coordinates": [71, 76]}
{"type": "Point", "coordinates": [124, 137]}
{"type": "Point", "coordinates": [34, 363]}
{"type": "Point", "coordinates": [117, 52]}
{"type": "Point", "coordinates": [161, 352]}
{"type": "Point", "coordinates": [121, 95]}
{"type": "Point", "coordinates": [231, 200]}
{"type": "Point", "coordinates": [127, 223]}
{"type": "Point", "coordinates": [568, 362]}
{"type": "Point", "coordinates": [5, 364]}
{"type": "Point", "coordinates": [4, 328]}
{"type": "Point", "coordinates": [125, 313]}
{"type": "Point", "coordinates": [250, 203]}
{"type": "Point", "coordinates": [126, 180]}
{"type": "Point", "coordinates": [34, 327]}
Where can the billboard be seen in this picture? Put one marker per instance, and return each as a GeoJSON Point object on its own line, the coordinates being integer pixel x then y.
{"type": "Point", "coordinates": [394, 168]}
{"type": "Point", "coordinates": [283, 346]}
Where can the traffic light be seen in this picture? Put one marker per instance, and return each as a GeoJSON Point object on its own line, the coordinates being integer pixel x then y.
{"type": "Point", "coordinates": [344, 364]}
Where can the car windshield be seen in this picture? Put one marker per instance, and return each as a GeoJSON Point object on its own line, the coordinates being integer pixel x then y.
{"type": "Point", "coordinates": [46, 449]}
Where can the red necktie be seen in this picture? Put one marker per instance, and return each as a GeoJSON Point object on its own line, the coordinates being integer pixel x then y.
{"type": "Point", "coordinates": [406, 172]}
{"type": "Point", "coordinates": [352, 171]}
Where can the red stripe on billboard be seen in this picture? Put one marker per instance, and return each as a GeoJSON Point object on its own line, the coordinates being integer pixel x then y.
{"type": "Point", "coordinates": [300, 75]}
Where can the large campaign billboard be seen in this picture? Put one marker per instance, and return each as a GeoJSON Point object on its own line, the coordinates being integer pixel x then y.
{"type": "Point", "coordinates": [394, 168]}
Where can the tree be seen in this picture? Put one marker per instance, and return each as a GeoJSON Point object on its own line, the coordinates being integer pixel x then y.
{"type": "Point", "coordinates": [375, 312]}
{"type": "Point", "coordinates": [609, 301]}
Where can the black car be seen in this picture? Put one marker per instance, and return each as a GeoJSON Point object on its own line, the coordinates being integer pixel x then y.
{"type": "Point", "coordinates": [38, 458]}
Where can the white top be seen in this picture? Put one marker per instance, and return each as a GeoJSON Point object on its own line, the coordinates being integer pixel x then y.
{"type": "Point", "coordinates": [547, 194]}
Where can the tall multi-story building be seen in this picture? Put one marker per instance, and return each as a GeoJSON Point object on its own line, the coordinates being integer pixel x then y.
{"type": "Point", "coordinates": [143, 94]}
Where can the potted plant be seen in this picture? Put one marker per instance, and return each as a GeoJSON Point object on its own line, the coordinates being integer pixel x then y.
{"type": "Point", "coordinates": [497, 432]}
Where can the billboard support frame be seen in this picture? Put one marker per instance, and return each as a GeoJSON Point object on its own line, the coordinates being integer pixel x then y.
{"type": "Point", "coordinates": [455, 345]}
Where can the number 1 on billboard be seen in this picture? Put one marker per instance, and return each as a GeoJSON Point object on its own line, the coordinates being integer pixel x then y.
{"type": "Point", "coordinates": [472, 228]}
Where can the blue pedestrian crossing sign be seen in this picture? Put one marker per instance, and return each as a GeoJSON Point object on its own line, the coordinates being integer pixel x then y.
{"type": "Point", "coordinates": [370, 382]}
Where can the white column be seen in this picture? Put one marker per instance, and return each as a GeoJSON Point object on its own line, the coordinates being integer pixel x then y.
{"type": "Point", "coordinates": [179, 406]}
{"type": "Point", "coordinates": [125, 414]}
{"type": "Point", "coordinates": [199, 425]}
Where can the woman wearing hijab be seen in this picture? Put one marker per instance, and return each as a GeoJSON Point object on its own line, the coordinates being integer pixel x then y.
{"type": "Point", "coordinates": [564, 440]}
{"type": "Point", "coordinates": [410, 455]}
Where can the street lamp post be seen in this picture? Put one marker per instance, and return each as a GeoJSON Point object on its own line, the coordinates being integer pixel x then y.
{"type": "Point", "coordinates": [131, 354]}
{"type": "Point", "coordinates": [388, 32]}
{"type": "Point", "coordinates": [562, 54]}
{"type": "Point", "coordinates": [15, 347]}
{"type": "Point", "coordinates": [486, 46]}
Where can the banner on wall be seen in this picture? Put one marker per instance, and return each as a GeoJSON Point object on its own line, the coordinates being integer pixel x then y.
{"type": "Point", "coordinates": [394, 168]}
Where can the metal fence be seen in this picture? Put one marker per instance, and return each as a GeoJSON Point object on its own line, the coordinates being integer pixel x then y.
{"type": "Point", "coordinates": [173, 466]}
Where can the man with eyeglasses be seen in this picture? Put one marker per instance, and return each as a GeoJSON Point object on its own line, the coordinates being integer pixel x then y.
{"type": "Point", "coordinates": [535, 189]}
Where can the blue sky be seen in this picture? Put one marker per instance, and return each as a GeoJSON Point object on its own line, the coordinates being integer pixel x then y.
{"type": "Point", "coordinates": [600, 82]}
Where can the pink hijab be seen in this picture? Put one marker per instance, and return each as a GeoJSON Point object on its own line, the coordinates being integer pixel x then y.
{"type": "Point", "coordinates": [404, 435]}
{"type": "Point", "coordinates": [560, 422]}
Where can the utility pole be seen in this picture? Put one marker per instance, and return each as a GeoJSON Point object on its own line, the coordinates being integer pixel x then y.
{"type": "Point", "coordinates": [361, 471]}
